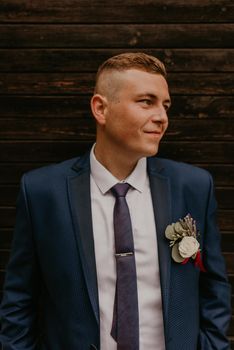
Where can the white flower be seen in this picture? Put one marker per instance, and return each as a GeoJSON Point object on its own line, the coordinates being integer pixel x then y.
{"type": "Point", "coordinates": [175, 254]}
{"type": "Point", "coordinates": [183, 239]}
{"type": "Point", "coordinates": [170, 232]}
{"type": "Point", "coordinates": [188, 246]}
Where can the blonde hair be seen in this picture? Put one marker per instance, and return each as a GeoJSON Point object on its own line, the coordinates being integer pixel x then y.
{"type": "Point", "coordinates": [131, 60]}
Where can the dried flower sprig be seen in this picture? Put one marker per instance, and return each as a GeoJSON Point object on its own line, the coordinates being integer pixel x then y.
{"type": "Point", "coordinates": [183, 241]}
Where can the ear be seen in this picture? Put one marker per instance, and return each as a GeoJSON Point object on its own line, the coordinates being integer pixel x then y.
{"type": "Point", "coordinates": [98, 105]}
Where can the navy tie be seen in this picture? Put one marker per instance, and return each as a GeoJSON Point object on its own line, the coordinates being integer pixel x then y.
{"type": "Point", "coordinates": [125, 326]}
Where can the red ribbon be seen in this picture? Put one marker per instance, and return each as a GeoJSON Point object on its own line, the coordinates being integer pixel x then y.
{"type": "Point", "coordinates": [198, 262]}
{"type": "Point", "coordinates": [185, 261]}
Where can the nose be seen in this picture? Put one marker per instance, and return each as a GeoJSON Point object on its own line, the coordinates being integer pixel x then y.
{"type": "Point", "coordinates": [159, 115]}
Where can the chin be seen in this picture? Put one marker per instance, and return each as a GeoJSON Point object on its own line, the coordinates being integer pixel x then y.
{"type": "Point", "coordinates": [152, 151]}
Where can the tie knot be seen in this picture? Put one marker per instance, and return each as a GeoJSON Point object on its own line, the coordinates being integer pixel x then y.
{"type": "Point", "coordinates": [120, 190]}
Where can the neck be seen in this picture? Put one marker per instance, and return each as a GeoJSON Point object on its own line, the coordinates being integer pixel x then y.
{"type": "Point", "coordinates": [118, 165]}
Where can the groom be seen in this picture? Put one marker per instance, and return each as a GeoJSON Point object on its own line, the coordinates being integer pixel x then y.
{"type": "Point", "coordinates": [95, 241]}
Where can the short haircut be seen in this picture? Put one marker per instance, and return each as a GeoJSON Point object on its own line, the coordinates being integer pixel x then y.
{"type": "Point", "coordinates": [132, 60]}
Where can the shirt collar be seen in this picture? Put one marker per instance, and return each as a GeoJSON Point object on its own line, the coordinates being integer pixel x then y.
{"type": "Point", "coordinates": [105, 180]}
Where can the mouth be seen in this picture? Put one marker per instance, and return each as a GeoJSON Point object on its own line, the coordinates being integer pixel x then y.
{"type": "Point", "coordinates": [154, 136]}
{"type": "Point", "coordinates": [155, 132]}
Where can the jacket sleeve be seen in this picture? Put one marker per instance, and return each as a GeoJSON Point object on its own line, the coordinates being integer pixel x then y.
{"type": "Point", "coordinates": [215, 291]}
{"type": "Point", "coordinates": [18, 308]}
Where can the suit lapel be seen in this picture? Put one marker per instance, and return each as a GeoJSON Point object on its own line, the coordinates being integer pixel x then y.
{"type": "Point", "coordinates": [80, 204]}
{"type": "Point", "coordinates": [160, 191]}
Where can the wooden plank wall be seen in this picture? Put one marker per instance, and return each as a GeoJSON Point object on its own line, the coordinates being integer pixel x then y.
{"type": "Point", "coordinates": [49, 52]}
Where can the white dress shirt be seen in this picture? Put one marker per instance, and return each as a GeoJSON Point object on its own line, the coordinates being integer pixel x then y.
{"type": "Point", "coordinates": [146, 254]}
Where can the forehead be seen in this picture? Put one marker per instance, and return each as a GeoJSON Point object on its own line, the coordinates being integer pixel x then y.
{"type": "Point", "coordinates": [140, 82]}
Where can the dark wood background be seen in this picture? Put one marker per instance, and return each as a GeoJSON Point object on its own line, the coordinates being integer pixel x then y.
{"type": "Point", "coordinates": [49, 52]}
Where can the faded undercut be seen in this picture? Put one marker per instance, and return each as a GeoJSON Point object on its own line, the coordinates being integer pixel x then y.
{"type": "Point", "coordinates": [122, 62]}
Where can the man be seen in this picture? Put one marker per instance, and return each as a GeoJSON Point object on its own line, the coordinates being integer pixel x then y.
{"type": "Point", "coordinates": [95, 295]}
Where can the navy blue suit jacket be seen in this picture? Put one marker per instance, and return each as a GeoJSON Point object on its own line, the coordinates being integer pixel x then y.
{"type": "Point", "coordinates": [53, 257]}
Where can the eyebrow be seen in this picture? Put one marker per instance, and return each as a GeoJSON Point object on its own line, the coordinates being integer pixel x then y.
{"type": "Point", "coordinates": [148, 94]}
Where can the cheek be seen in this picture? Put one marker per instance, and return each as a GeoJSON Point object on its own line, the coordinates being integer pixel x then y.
{"type": "Point", "coordinates": [166, 125]}
{"type": "Point", "coordinates": [119, 128]}
{"type": "Point", "coordinates": [126, 122]}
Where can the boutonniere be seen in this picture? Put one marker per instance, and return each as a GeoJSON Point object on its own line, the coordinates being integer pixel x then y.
{"type": "Point", "coordinates": [183, 241]}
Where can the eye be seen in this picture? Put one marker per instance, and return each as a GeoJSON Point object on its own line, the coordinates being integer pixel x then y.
{"type": "Point", "coordinates": [166, 107]}
{"type": "Point", "coordinates": [146, 101]}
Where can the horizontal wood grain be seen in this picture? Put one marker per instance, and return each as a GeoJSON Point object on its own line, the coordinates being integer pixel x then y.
{"type": "Point", "coordinates": [50, 129]}
{"type": "Point", "coordinates": [117, 36]}
{"type": "Point", "coordinates": [137, 11]}
{"type": "Point", "coordinates": [2, 277]}
{"type": "Point", "coordinates": [6, 239]}
{"type": "Point", "coordinates": [85, 129]}
{"type": "Point", "coordinates": [229, 258]}
{"type": "Point", "coordinates": [38, 151]}
{"type": "Point", "coordinates": [67, 106]}
{"type": "Point", "coordinates": [187, 106]}
{"type": "Point", "coordinates": [7, 216]}
{"type": "Point", "coordinates": [231, 281]}
{"type": "Point", "coordinates": [88, 60]}
{"type": "Point", "coordinates": [8, 195]}
{"type": "Point", "coordinates": [199, 130]}
{"type": "Point", "coordinates": [227, 243]}
{"type": "Point", "coordinates": [231, 328]}
{"type": "Point", "coordinates": [225, 198]}
{"type": "Point", "coordinates": [4, 257]}
{"type": "Point", "coordinates": [205, 84]}
{"type": "Point", "coordinates": [83, 83]}
{"type": "Point", "coordinates": [10, 173]}
{"type": "Point", "coordinates": [225, 220]}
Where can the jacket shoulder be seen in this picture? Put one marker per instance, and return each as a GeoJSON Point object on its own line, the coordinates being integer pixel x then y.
{"type": "Point", "coordinates": [50, 174]}
{"type": "Point", "coordinates": [181, 171]}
